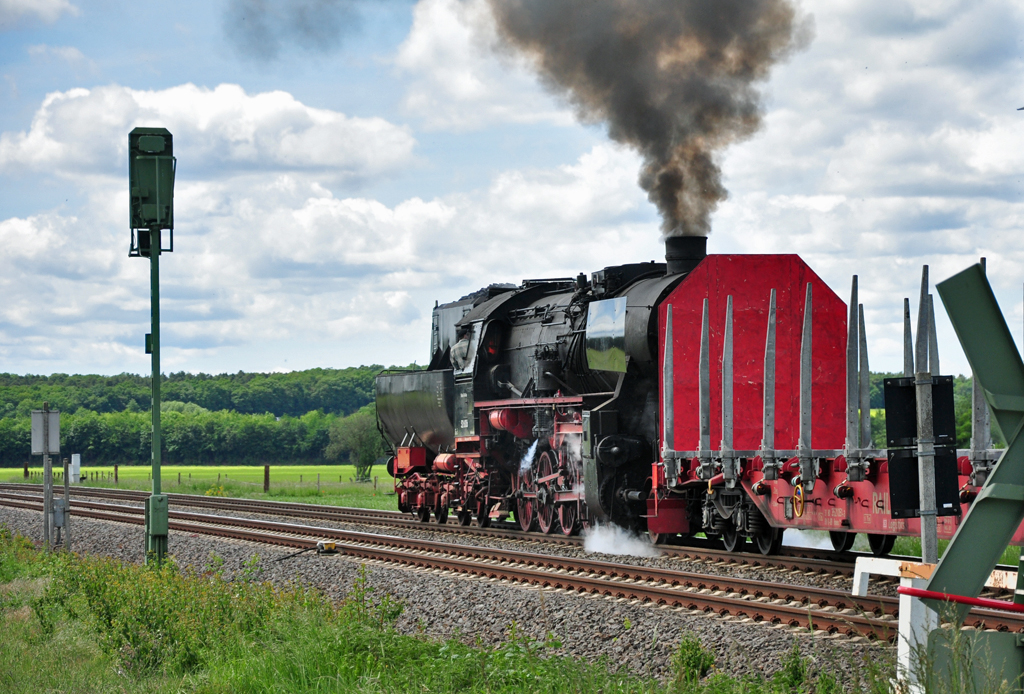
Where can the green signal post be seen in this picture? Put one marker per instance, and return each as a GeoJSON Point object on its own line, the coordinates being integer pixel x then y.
{"type": "Point", "coordinates": [151, 169]}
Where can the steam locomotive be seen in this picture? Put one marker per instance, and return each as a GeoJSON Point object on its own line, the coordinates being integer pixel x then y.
{"type": "Point", "coordinates": [715, 394]}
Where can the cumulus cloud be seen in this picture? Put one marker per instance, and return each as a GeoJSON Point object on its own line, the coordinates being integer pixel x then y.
{"type": "Point", "coordinates": [13, 12]}
{"type": "Point", "coordinates": [893, 142]}
{"type": "Point", "coordinates": [217, 131]}
{"type": "Point", "coordinates": [281, 259]}
{"type": "Point", "coordinates": [458, 81]}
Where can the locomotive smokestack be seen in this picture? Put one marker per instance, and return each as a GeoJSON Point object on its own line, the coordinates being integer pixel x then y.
{"type": "Point", "coordinates": [682, 253]}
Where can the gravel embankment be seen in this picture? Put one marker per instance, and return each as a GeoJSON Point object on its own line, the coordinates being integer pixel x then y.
{"type": "Point", "coordinates": [713, 568]}
{"type": "Point", "coordinates": [440, 605]}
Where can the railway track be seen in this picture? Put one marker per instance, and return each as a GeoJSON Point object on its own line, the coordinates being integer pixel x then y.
{"type": "Point", "coordinates": [821, 609]}
{"type": "Point", "coordinates": [809, 561]}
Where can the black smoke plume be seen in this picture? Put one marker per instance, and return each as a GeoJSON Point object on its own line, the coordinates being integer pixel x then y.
{"type": "Point", "coordinates": [674, 79]}
{"type": "Point", "coordinates": [259, 29]}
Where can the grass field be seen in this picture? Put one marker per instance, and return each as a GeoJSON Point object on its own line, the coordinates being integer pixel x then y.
{"type": "Point", "coordinates": [335, 486]}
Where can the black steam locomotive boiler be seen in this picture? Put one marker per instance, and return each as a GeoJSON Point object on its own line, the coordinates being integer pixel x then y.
{"type": "Point", "coordinates": [540, 401]}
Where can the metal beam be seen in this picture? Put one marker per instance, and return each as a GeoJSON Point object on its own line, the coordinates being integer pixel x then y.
{"type": "Point", "coordinates": [807, 472]}
{"type": "Point", "coordinates": [704, 394]}
{"type": "Point", "coordinates": [908, 341]}
{"type": "Point", "coordinates": [921, 351]}
{"type": "Point", "coordinates": [768, 422]}
{"type": "Point", "coordinates": [865, 384]}
{"type": "Point", "coordinates": [726, 446]}
{"type": "Point", "coordinates": [933, 340]}
{"type": "Point", "coordinates": [852, 386]}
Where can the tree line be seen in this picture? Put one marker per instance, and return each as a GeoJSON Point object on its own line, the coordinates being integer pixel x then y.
{"type": "Point", "coordinates": [308, 416]}
{"type": "Point", "coordinates": [293, 394]}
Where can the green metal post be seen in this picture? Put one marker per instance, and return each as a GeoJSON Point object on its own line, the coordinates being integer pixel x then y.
{"type": "Point", "coordinates": [156, 504]}
{"type": "Point", "coordinates": [154, 289]}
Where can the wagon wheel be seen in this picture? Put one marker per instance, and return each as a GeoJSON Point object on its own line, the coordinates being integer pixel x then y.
{"type": "Point", "coordinates": [423, 513]}
{"type": "Point", "coordinates": [441, 515]}
{"type": "Point", "coordinates": [545, 497]}
{"type": "Point", "coordinates": [465, 517]}
{"type": "Point", "coordinates": [732, 539]}
{"type": "Point", "coordinates": [768, 540]}
{"type": "Point", "coordinates": [526, 508]}
{"type": "Point", "coordinates": [842, 541]}
{"type": "Point", "coordinates": [567, 517]}
{"type": "Point", "coordinates": [881, 544]}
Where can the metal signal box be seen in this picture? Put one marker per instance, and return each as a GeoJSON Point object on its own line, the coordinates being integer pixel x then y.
{"type": "Point", "coordinates": [156, 515]}
{"type": "Point", "coordinates": [151, 171]}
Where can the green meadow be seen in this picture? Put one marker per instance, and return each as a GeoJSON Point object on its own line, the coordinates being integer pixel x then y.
{"type": "Point", "coordinates": [333, 485]}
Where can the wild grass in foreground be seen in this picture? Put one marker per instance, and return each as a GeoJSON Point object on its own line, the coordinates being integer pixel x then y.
{"type": "Point", "coordinates": [90, 624]}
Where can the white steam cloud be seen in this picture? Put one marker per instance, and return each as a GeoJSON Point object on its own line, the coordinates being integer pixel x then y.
{"type": "Point", "coordinates": [527, 461]}
{"type": "Point", "coordinates": [612, 539]}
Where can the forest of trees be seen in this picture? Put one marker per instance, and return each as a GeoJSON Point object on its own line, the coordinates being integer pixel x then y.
{"type": "Point", "coordinates": [225, 419]}
{"type": "Point", "coordinates": [293, 394]}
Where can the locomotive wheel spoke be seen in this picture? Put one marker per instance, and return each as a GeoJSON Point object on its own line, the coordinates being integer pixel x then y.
{"type": "Point", "coordinates": [546, 515]}
{"type": "Point", "coordinates": [526, 509]}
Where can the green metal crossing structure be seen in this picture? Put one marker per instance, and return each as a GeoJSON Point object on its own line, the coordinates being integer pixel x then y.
{"type": "Point", "coordinates": [998, 510]}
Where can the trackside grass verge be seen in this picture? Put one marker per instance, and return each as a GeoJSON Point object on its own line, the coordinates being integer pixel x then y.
{"type": "Point", "coordinates": [89, 624]}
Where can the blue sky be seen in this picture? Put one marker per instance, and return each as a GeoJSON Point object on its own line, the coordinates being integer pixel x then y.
{"type": "Point", "coordinates": [335, 181]}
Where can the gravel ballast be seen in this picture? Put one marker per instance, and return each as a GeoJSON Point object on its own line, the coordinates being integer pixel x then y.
{"type": "Point", "coordinates": [442, 605]}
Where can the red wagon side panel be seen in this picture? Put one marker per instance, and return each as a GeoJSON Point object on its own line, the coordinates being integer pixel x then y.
{"type": "Point", "coordinates": [749, 279]}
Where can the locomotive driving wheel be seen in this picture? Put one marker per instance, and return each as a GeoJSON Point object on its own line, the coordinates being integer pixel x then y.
{"type": "Point", "coordinates": [526, 508]}
{"type": "Point", "coordinates": [568, 514]}
{"type": "Point", "coordinates": [423, 513]}
{"type": "Point", "coordinates": [545, 495]}
{"type": "Point", "coordinates": [465, 517]}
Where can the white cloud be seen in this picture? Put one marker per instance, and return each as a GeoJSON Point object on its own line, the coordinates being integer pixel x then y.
{"type": "Point", "coordinates": [216, 132]}
{"type": "Point", "coordinates": [281, 260]}
{"type": "Point", "coordinates": [69, 54]}
{"type": "Point", "coordinates": [14, 11]}
{"type": "Point", "coordinates": [458, 81]}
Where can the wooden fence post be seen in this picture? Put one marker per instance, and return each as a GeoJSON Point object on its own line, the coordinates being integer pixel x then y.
{"type": "Point", "coordinates": [266, 479]}
{"type": "Point", "coordinates": [115, 474]}
{"type": "Point", "coordinates": [375, 484]}
{"type": "Point", "coordinates": [26, 468]}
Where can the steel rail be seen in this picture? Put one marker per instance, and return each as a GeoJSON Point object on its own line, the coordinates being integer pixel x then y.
{"type": "Point", "coordinates": [798, 606]}
{"type": "Point", "coordinates": [794, 559]}
{"type": "Point", "coordinates": [723, 596]}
